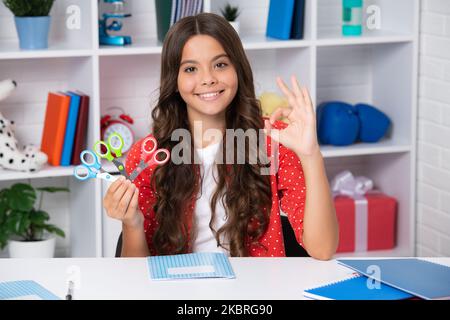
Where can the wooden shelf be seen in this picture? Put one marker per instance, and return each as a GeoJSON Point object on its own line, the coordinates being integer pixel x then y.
{"type": "Point", "coordinates": [139, 46]}
{"type": "Point", "coordinates": [339, 40]}
{"type": "Point", "coordinates": [359, 149]}
{"type": "Point", "coordinates": [10, 50]}
{"type": "Point", "coordinates": [46, 172]}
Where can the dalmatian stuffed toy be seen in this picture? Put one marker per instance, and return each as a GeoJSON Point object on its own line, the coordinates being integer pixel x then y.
{"type": "Point", "coordinates": [29, 158]}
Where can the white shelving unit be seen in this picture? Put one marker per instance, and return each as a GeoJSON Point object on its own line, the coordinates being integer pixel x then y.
{"type": "Point", "coordinates": [379, 68]}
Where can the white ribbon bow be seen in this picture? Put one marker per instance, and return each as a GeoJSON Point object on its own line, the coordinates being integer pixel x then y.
{"type": "Point", "coordinates": [347, 185]}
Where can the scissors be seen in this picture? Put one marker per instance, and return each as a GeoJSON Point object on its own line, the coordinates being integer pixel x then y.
{"type": "Point", "coordinates": [149, 156]}
{"type": "Point", "coordinates": [89, 166]}
{"type": "Point", "coordinates": [114, 145]}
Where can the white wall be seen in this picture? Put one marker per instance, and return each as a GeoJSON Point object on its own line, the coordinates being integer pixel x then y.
{"type": "Point", "coordinates": [433, 187]}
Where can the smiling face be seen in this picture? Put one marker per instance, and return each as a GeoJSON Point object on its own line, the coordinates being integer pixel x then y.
{"type": "Point", "coordinates": [207, 80]}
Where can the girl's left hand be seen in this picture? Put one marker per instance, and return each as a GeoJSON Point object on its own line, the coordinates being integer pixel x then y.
{"type": "Point", "coordinates": [300, 135]}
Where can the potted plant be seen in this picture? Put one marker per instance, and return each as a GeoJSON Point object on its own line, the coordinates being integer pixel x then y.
{"type": "Point", "coordinates": [32, 22]}
{"type": "Point", "coordinates": [231, 13]}
{"type": "Point", "coordinates": [23, 226]}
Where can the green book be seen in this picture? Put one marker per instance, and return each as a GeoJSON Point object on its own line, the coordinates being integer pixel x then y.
{"type": "Point", "coordinates": [163, 10]}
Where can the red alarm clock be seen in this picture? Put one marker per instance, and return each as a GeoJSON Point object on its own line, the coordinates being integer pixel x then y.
{"type": "Point", "coordinates": [119, 123]}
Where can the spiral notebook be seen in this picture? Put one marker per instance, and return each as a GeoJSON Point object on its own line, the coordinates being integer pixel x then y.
{"type": "Point", "coordinates": [421, 278]}
{"type": "Point", "coordinates": [356, 287]}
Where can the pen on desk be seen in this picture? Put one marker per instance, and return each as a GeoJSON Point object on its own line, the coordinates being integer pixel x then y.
{"type": "Point", "coordinates": [69, 294]}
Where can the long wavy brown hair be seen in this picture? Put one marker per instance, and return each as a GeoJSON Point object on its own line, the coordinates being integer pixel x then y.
{"type": "Point", "coordinates": [243, 191]}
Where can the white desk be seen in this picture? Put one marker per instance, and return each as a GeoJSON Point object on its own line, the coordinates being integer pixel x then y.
{"type": "Point", "coordinates": [110, 278]}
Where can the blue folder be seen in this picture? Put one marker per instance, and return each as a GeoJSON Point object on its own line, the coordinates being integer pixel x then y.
{"type": "Point", "coordinates": [279, 19]}
{"type": "Point", "coordinates": [355, 288]}
{"type": "Point", "coordinates": [71, 126]}
{"type": "Point", "coordinates": [298, 19]}
{"type": "Point", "coordinates": [421, 278]}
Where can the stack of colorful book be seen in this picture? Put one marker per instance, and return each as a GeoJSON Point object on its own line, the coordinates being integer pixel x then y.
{"type": "Point", "coordinates": [286, 19]}
{"type": "Point", "coordinates": [65, 126]}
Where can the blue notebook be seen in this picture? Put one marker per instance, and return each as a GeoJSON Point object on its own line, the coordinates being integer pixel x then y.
{"type": "Point", "coordinates": [279, 19]}
{"type": "Point", "coordinates": [71, 126]}
{"type": "Point", "coordinates": [190, 266]}
{"type": "Point", "coordinates": [355, 288]}
{"type": "Point", "coordinates": [25, 289]}
{"type": "Point", "coordinates": [421, 278]}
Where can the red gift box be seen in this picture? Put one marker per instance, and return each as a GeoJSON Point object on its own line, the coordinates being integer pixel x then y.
{"type": "Point", "coordinates": [380, 221]}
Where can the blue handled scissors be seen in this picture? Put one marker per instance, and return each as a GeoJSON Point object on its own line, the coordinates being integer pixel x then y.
{"type": "Point", "coordinates": [92, 169]}
{"type": "Point", "coordinates": [149, 156]}
{"type": "Point", "coordinates": [114, 145]}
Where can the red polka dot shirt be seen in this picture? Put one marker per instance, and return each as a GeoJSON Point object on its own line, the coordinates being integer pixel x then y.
{"type": "Point", "coordinates": [288, 192]}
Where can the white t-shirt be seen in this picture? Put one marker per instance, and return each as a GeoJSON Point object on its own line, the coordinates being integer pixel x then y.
{"type": "Point", "coordinates": [204, 239]}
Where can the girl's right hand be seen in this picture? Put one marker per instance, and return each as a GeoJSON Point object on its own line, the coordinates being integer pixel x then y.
{"type": "Point", "coordinates": [121, 203]}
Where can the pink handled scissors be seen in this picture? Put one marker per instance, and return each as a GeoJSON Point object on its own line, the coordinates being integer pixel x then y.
{"type": "Point", "coordinates": [150, 155]}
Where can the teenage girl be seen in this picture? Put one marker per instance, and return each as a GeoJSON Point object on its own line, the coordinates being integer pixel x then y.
{"type": "Point", "coordinates": [175, 208]}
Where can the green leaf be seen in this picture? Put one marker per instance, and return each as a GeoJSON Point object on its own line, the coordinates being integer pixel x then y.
{"type": "Point", "coordinates": [54, 229]}
{"type": "Point", "coordinates": [39, 217]}
{"type": "Point", "coordinates": [19, 217]}
{"type": "Point", "coordinates": [24, 224]}
{"type": "Point", "coordinates": [21, 197]}
{"type": "Point", "coordinates": [230, 13]}
{"type": "Point", "coordinates": [52, 189]}
{"type": "Point", "coordinates": [29, 8]}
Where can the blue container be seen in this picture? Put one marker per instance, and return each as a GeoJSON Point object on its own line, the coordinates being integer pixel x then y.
{"type": "Point", "coordinates": [33, 32]}
{"type": "Point", "coordinates": [352, 13]}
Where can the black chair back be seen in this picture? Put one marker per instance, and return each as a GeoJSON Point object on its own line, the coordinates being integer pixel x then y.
{"type": "Point", "coordinates": [293, 249]}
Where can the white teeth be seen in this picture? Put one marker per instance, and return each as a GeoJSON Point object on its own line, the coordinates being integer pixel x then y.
{"type": "Point", "coordinates": [209, 95]}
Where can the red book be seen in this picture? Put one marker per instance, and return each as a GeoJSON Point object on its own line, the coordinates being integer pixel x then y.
{"type": "Point", "coordinates": [81, 131]}
{"type": "Point", "coordinates": [55, 127]}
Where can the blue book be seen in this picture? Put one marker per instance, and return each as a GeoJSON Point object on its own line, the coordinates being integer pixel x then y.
{"type": "Point", "coordinates": [421, 278]}
{"type": "Point", "coordinates": [71, 125]}
{"type": "Point", "coordinates": [280, 19]}
{"type": "Point", "coordinates": [190, 266]}
{"type": "Point", "coordinates": [298, 20]}
{"type": "Point", "coordinates": [356, 288]}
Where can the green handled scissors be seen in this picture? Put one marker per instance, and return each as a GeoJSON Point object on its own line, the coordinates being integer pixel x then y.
{"type": "Point", "coordinates": [114, 145]}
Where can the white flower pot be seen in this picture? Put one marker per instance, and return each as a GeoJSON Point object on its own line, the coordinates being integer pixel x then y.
{"type": "Point", "coordinates": [32, 249]}
{"type": "Point", "coordinates": [235, 25]}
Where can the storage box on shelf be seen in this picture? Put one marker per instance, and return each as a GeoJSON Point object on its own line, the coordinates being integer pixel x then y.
{"type": "Point", "coordinates": [378, 68]}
